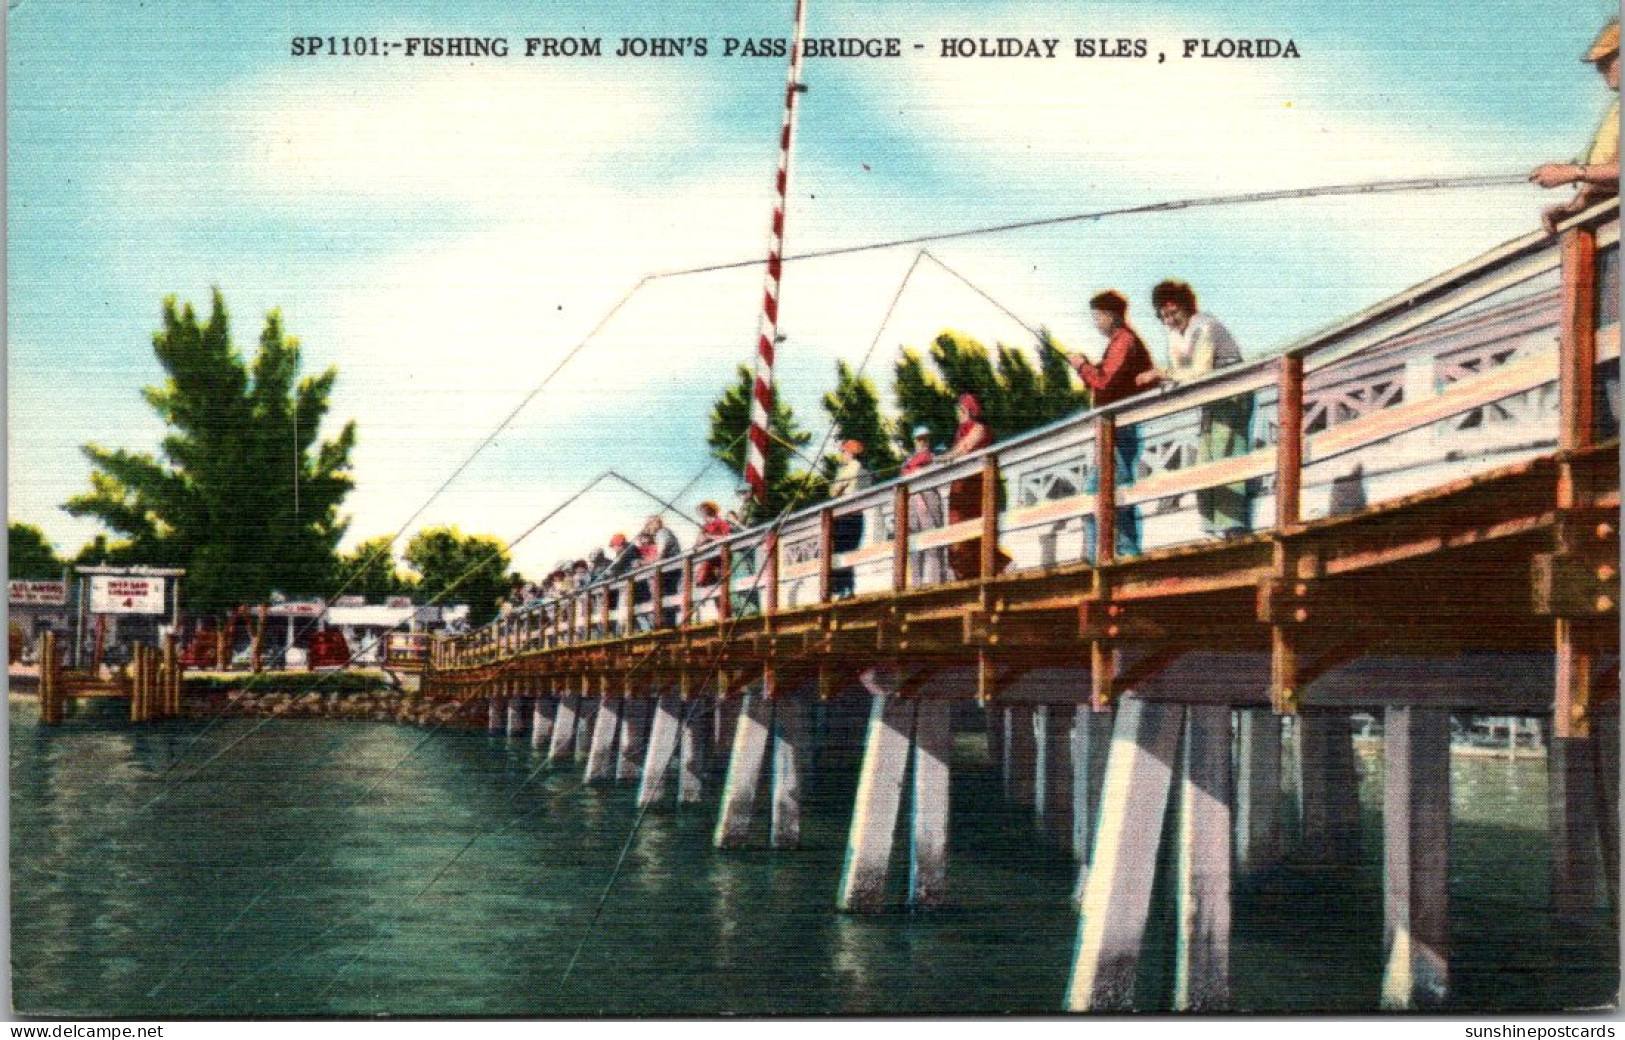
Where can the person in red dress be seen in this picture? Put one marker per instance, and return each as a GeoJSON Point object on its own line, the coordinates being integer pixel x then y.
{"type": "Point", "coordinates": [713, 527]}
{"type": "Point", "coordinates": [965, 494]}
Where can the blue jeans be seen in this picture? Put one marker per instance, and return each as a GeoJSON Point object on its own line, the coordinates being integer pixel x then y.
{"type": "Point", "coordinates": [1125, 453]}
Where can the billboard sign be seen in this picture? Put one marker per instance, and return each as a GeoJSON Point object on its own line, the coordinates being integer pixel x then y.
{"type": "Point", "coordinates": [39, 593]}
{"type": "Point", "coordinates": [117, 594]}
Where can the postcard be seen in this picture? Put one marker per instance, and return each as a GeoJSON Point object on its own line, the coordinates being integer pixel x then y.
{"type": "Point", "coordinates": [812, 507]}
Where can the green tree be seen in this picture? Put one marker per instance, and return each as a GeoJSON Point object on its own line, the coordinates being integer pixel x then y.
{"type": "Point", "coordinates": [1015, 396]}
{"type": "Point", "coordinates": [854, 407]}
{"type": "Point", "coordinates": [457, 568]}
{"type": "Point", "coordinates": [242, 494]}
{"type": "Point", "coordinates": [29, 555]}
{"type": "Point", "coordinates": [786, 484]}
{"type": "Point", "coordinates": [99, 551]}
{"type": "Point", "coordinates": [369, 570]}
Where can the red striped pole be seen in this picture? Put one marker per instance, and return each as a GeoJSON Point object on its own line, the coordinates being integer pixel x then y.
{"type": "Point", "coordinates": [761, 404]}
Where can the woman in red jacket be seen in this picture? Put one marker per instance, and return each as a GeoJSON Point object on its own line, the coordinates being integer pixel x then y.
{"type": "Point", "coordinates": [965, 494]}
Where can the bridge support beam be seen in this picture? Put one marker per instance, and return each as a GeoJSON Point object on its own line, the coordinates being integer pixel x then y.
{"type": "Point", "coordinates": [1329, 789]}
{"type": "Point", "coordinates": [739, 790]}
{"type": "Point", "coordinates": [601, 756]}
{"type": "Point", "coordinates": [634, 734]}
{"type": "Point", "coordinates": [518, 716]}
{"type": "Point", "coordinates": [1020, 756]}
{"type": "Point", "coordinates": [1202, 949]}
{"type": "Point", "coordinates": [1091, 743]}
{"type": "Point", "coordinates": [495, 712]}
{"type": "Point", "coordinates": [1117, 896]}
{"type": "Point", "coordinates": [874, 812]}
{"type": "Point", "coordinates": [791, 749]}
{"type": "Point", "coordinates": [564, 728]}
{"type": "Point", "coordinates": [692, 750]}
{"type": "Point", "coordinates": [1572, 769]}
{"type": "Point", "coordinates": [1416, 858]}
{"type": "Point", "coordinates": [664, 731]}
{"type": "Point", "coordinates": [995, 737]}
{"type": "Point", "coordinates": [928, 847]}
{"type": "Point", "coordinates": [1053, 778]}
{"type": "Point", "coordinates": [1258, 789]}
{"type": "Point", "coordinates": [541, 722]}
{"type": "Point", "coordinates": [586, 718]}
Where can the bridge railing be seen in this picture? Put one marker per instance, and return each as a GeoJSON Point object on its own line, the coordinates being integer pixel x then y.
{"type": "Point", "coordinates": [1491, 362]}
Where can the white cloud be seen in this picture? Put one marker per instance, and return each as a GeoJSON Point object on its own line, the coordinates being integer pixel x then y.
{"type": "Point", "coordinates": [494, 137]}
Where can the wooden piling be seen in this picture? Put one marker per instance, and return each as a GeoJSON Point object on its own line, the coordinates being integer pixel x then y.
{"type": "Point", "coordinates": [633, 738]}
{"type": "Point", "coordinates": [1571, 792]}
{"type": "Point", "coordinates": [1416, 858]}
{"type": "Point", "coordinates": [1053, 777]}
{"type": "Point", "coordinates": [138, 684]}
{"type": "Point", "coordinates": [541, 721]}
{"type": "Point", "coordinates": [928, 806]}
{"type": "Point", "coordinates": [1117, 895]}
{"type": "Point", "coordinates": [791, 735]}
{"type": "Point", "coordinates": [172, 675]}
{"type": "Point", "coordinates": [1091, 744]}
{"type": "Point", "coordinates": [564, 727]}
{"type": "Point", "coordinates": [50, 680]}
{"type": "Point", "coordinates": [664, 731]}
{"type": "Point", "coordinates": [693, 749]}
{"type": "Point", "coordinates": [1329, 789]}
{"type": "Point", "coordinates": [518, 715]}
{"type": "Point", "coordinates": [1202, 889]}
{"type": "Point", "coordinates": [1258, 790]}
{"type": "Point", "coordinates": [1020, 756]}
{"type": "Point", "coordinates": [744, 777]}
{"type": "Point", "coordinates": [606, 727]}
{"type": "Point", "coordinates": [875, 807]}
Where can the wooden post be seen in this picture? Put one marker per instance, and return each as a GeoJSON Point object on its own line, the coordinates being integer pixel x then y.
{"type": "Point", "coordinates": [899, 556]}
{"type": "Point", "coordinates": [137, 684]}
{"type": "Point", "coordinates": [1289, 444]}
{"type": "Point", "coordinates": [220, 645]}
{"type": "Point", "coordinates": [771, 549]}
{"type": "Point", "coordinates": [1106, 495]}
{"type": "Point", "coordinates": [259, 632]}
{"type": "Point", "coordinates": [50, 681]}
{"type": "Point", "coordinates": [826, 553]}
{"type": "Point", "coordinates": [1577, 347]}
{"type": "Point", "coordinates": [688, 593]}
{"type": "Point", "coordinates": [628, 612]}
{"type": "Point", "coordinates": [172, 673]}
{"type": "Point", "coordinates": [989, 562]}
{"type": "Point", "coordinates": [603, 612]}
{"type": "Point", "coordinates": [725, 567]}
{"type": "Point", "coordinates": [1577, 359]}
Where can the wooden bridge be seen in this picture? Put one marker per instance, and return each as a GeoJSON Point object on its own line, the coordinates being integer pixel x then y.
{"type": "Point", "coordinates": [1433, 486]}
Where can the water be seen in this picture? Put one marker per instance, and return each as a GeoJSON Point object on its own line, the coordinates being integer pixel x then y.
{"type": "Point", "coordinates": [344, 868]}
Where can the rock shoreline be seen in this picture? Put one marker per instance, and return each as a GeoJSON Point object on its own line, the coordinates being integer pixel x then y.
{"type": "Point", "coordinates": [378, 706]}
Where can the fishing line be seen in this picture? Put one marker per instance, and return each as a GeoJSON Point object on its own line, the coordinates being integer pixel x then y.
{"type": "Point", "coordinates": [452, 586]}
{"type": "Point", "coordinates": [733, 619]}
{"type": "Point", "coordinates": [383, 550]}
{"type": "Point", "coordinates": [1168, 206]}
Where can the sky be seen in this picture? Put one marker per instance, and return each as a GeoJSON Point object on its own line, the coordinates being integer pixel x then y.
{"type": "Point", "coordinates": [445, 231]}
